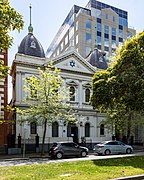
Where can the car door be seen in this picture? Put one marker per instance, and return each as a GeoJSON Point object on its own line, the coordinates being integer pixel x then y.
{"type": "Point", "coordinates": [70, 149]}
{"type": "Point", "coordinates": [112, 146]}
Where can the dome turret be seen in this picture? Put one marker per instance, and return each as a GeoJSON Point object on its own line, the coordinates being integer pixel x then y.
{"type": "Point", "coordinates": [30, 45]}
{"type": "Point", "coordinates": [97, 59]}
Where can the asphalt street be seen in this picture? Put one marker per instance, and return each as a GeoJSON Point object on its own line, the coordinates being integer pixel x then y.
{"type": "Point", "coordinates": [34, 160]}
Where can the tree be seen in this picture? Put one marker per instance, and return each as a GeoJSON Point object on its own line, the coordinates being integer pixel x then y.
{"type": "Point", "coordinates": [46, 99]}
{"type": "Point", "coordinates": [10, 20]}
{"type": "Point", "coordinates": [119, 90]}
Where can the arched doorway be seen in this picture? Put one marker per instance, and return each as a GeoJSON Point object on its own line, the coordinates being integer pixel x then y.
{"type": "Point", "coordinates": [72, 131]}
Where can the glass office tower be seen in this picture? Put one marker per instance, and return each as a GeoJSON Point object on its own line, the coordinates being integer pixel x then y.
{"type": "Point", "coordinates": [98, 24]}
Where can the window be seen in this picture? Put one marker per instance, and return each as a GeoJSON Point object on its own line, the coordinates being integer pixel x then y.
{"type": "Point", "coordinates": [120, 39]}
{"type": "Point", "coordinates": [55, 129]}
{"type": "Point", "coordinates": [120, 33]}
{"type": "Point", "coordinates": [76, 39]}
{"type": "Point", "coordinates": [106, 29]}
{"type": "Point", "coordinates": [33, 128]}
{"type": "Point", "coordinates": [76, 25]}
{"type": "Point", "coordinates": [113, 31]}
{"type": "Point", "coordinates": [87, 95]}
{"type": "Point", "coordinates": [121, 27]}
{"type": "Point", "coordinates": [72, 93]}
{"type": "Point", "coordinates": [88, 37]}
{"type": "Point", "coordinates": [114, 38]}
{"type": "Point", "coordinates": [106, 42]}
{"type": "Point", "coordinates": [106, 36]}
{"type": "Point", "coordinates": [99, 27]}
{"type": "Point", "coordinates": [113, 19]}
{"type": "Point", "coordinates": [106, 48]}
{"type": "Point", "coordinates": [102, 129]}
{"type": "Point", "coordinates": [87, 130]}
{"type": "Point", "coordinates": [99, 40]}
{"type": "Point", "coordinates": [98, 33]}
{"type": "Point", "coordinates": [88, 24]}
{"type": "Point", "coordinates": [98, 20]}
{"type": "Point", "coordinates": [66, 39]}
{"type": "Point", "coordinates": [106, 16]}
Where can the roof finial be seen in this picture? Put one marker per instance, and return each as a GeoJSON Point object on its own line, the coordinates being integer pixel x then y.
{"type": "Point", "coordinates": [30, 28]}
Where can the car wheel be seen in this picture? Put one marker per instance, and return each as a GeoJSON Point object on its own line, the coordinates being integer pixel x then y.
{"type": "Point", "coordinates": [107, 152]}
{"type": "Point", "coordinates": [59, 155]}
{"type": "Point", "coordinates": [128, 151]}
{"type": "Point", "coordinates": [83, 154]}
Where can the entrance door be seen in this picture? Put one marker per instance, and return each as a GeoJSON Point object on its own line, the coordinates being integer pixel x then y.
{"type": "Point", "coordinates": [72, 131]}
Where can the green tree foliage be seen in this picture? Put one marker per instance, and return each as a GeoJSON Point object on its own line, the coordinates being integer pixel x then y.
{"type": "Point", "coordinates": [119, 90]}
{"type": "Point", "coordinates": [46, 99]}
{"type": "Point", "coordinates": [10, 20]}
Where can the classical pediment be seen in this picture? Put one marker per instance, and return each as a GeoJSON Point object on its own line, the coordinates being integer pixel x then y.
{"type": "Point", "coordinates": [72, 61]}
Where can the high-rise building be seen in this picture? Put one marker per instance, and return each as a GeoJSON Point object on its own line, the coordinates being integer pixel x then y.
{"type": "Point", "coordinates": [97, 24]}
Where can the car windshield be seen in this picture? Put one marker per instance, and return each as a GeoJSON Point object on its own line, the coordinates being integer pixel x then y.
{"type": "Point", "coordinates": [54, 145]}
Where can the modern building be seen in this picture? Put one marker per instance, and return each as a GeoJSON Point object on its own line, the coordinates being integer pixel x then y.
{"type": "Point", "coordinates": [96, 24]}
{"type": "Point", "coordinates": [3, 103]}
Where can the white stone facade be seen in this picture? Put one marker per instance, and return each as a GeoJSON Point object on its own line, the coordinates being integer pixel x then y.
{"type": "Point", "coordinates": [80, 73]}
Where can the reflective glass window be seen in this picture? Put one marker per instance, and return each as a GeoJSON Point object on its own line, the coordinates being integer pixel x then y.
{"type": "Point", "coordinates": [114, 38]}
{"type": "Point", "coordinates": [88, 37]}
{"type": "Point", "coordinates": [106, 42]}
{"type": "Point", "coordinates": [106, 29]}
{"type": "Point", "coordinates": [99, 27]}
{"type": "Point", "coordinates": [120, 33]}
{"type": "Point", "coordinates": [98, 20]}
{"type": "Point", "coordinates": [113, 19]}
{"type": "Point", "coordinates": [88, 24]}
{"type": "Point", "coordinates": [106, 36]}
{"type": "Point", "coordinates": [106, 48]}
{"type": "Point", "coordinates": [99, 40]}
{"type": "Point", "coordinates": [120, 39]}
{"type": "Point", "coordinates": [106, 16]}
{"type": "Point", "coordinates": [98, 33]}
{"type": "Point", "coordinates": [113, 31]}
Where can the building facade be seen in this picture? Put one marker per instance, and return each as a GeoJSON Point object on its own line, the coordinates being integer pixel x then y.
{"type": "Point", "coordinates": [96, 24]}
{"type": "Point", "coordinates": [77, 73]}
{"type": "Point", "coordinates": [3, 102]}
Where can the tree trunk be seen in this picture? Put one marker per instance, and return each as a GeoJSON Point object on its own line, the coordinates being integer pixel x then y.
{"type": "Point", "coordinates": [44, 134]}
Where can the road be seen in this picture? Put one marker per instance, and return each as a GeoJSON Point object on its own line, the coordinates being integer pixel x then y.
{"type": "Point", "coordinates": [29, 161]}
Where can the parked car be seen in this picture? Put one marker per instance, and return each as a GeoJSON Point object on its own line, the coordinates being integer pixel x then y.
{"type": "Point", "coordinates": [112, 147]}
{"type": "Point", "coordinates": [61, 149]}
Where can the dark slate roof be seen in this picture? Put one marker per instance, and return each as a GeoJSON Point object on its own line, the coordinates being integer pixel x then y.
{"type": "Point", "coordinates": [31, 46]}
{"type": "Point", "coordinates": [97, 59]}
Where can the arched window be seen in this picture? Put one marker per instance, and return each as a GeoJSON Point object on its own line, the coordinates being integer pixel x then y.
{"type": "Point", "coordinates": [87, 95]}
{"type": "Point", "coordinates": [87, 130]}
{"type": "Point", "coordinates": [72, 93]}
{"type": "Point", "coordinates": [33, 128]}
{"type": "Point", "coordinates": [55, 129]}
{"type": "Point", "coordinates": [102, 129]}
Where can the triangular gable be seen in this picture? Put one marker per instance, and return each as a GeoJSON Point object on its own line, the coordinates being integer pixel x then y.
{"type": "Point", "coordinates": [72, 61]}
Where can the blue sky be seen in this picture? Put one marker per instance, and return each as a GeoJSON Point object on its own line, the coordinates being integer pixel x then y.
{"type": "Point", "coordinates": [47, 17]}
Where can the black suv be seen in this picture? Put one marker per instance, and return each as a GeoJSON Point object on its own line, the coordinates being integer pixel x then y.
{"type": "Point", "coordinates": [60, 149]}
